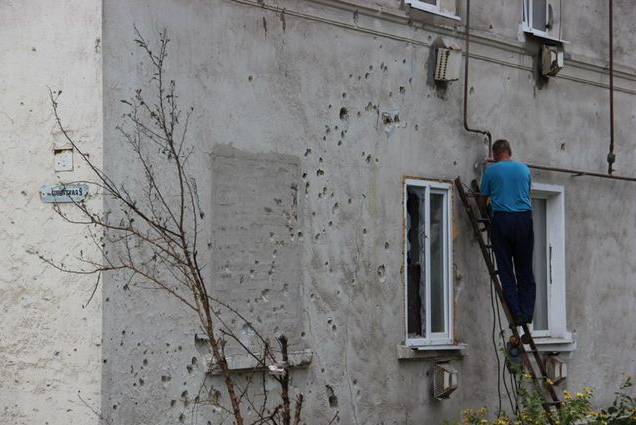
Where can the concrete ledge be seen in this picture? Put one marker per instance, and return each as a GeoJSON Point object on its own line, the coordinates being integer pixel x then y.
{"type": "Point", "coordinates": [245, 362]}
{"type": "Point", "coordinates": [432, 352]}
{"type": "Point", "coordinates": [555, 345]}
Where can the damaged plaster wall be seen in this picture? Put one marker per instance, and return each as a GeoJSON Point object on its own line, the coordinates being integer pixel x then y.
{"type": "Point", "coordinates": [50, 339]}
{"type": "Point", "coordinates": [345, 98]}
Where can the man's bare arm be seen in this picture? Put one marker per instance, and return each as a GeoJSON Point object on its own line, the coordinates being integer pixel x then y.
{"type": "Point", "coordinates": [482, 203]}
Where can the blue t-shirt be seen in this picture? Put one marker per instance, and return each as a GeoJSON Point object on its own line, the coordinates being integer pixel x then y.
{"type": "Point", "coordinates": [508, 185]}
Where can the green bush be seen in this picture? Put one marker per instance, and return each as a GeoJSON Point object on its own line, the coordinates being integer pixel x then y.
{"type": "Point", "coordinates": [576, 409]}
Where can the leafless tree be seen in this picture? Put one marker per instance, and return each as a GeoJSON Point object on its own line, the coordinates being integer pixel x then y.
{"type": "Point", "coordinates": [153, 236]}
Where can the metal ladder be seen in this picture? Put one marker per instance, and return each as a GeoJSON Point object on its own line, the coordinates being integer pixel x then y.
{"type": "Point", "coordinates": [515, 339]}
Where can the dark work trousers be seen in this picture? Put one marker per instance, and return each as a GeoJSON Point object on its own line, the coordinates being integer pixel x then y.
{"type": "Point", "coordinates": [513, 243]}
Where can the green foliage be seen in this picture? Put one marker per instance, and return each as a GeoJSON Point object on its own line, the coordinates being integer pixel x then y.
{"type": "Point", "coordinates": [576, 409]}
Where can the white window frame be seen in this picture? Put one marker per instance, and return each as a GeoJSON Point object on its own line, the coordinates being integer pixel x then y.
{"type": "Point", "coordinates": [555, 255]}
{"type": "Point", "coordinates": [431, 339]}
{"type": "Point", "coordinates": [527, 11]}
{"type": "Point", "coordinates": [436, 8]}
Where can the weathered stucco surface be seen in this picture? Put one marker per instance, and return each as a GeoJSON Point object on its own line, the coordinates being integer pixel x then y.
{"type": "Point", "coordinates": [50, 351]}
{"type": "Point", "coordinates": [274, 80]}
{"type": "Point", "coordinates": [291, 132]}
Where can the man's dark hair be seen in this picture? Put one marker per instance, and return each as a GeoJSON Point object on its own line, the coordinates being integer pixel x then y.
{"type": "Point", "coordinates": [501, 145]}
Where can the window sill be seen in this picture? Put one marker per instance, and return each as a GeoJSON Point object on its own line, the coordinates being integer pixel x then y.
{"type": "Point", "coordinates": [555, 345]}
{"type": "Point", "coordinates": [425, 7]}
{"type": "Point", "coordinates": [245, 362]}
{"type": "Point", "coordinates": [427, 352]}
{"type": "Point", "coordinates": [544, 35]}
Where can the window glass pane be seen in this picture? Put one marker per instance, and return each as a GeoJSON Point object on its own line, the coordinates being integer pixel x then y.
{"type": "Point", "coordinates": [433, 2]}
{"type": "Point", "coordinates": [539, 264]}
{"type": "Point", "coordinates": [416, 325]}
{"type": "Point", "coordinates": [438, 306]}
{"type": "Point", "coordinates": [539, 14]}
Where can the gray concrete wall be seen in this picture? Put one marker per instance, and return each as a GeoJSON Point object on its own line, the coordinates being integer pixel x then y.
{"type": "Point", "coordinates": [50, 338]}
{"type": "Point", "coordinates": [269, 84]}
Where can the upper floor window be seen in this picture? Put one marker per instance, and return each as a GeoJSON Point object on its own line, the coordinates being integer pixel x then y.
{"type": "Point", "coordinates": [542, 18]}
{"type": "Point", "coordinates": [427, 263]}
{"type": "Point", "coordinates": [445, 8]}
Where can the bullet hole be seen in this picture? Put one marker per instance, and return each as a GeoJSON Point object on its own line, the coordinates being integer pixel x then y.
{"type": "Point", "coordinates": [359, 114]}
{"type": "Point", "coordinates": [382, 273]}
{"type": "Point", "coordinates": [396, 118]}
{"type": "Point", "coordinates": [326, 263]}
{"type": "Point", "coordinates": [324, 137]}
{"type": "Point", "coordinates": [114, 407]}
{"type": "Point", "coordinates": [350, 75]}
{"type": "Point", "coordinates": [403, 60]}
{"type": "Point", "coordinates": [454, 162]}
{"type": "Point", "coordinates": [166, 378]}
{"type": "Point", "coordinates": [302, 334]}
{"type": "Point", "coordinates": [562, 146]}
{"type": "Point", "coordinates": [334, 328]}
{"type": "Point", "coordinates": [250, 78]}
{"type": "Point", "coordinates": [320, 160]}
{"type": "Point", "coordinates": [386, 118]}
{"type": "Point", "coordinates": [179, 348]}
{"type": "Point", "coordinates": [335, 208]}
{"type": "Point", "coordinates": [182, 418]}
{"type": "Point", "coordinates": [386, 245]}
{"type": "Point", "coordinates": [145, 362]}
{"type": "Point", "coordinates": [184, 395]}
{"type": "Point", "coordinates": [417, 127]}
{"type": "Point", "coordinates": [344, 95]}
{"type": "Point", "coordinates": [300, 235]}
{"type": "Point", "coordinates": [173, 403]}
{"type": "Point", "coordinates": [330, 223]}
{"type": "Point", "coordinates": [370, 67]}
{"type": "Point", "coordinates": [342, 133]}
{"type": "Point", "coordinates": [307, 153]}
{"type": "Point", "coordinates": [330, 106]}
{"type": "Point", "coordinates": [472, 90]}
{"type": "Point", "coordinates": [339, 142]}
{"type": "Point", "coordinates": [335, 127]}
{"type": "Point", "coordinates": [141, 382]}
{"type": "Point", "coordinates": [344, 114]}
{"type": "Point", "coordinates": [333, 400]}
{"type": "Point", "coordinates": [366, 75]}
{"type": "Point", "coordinates": [319, 172]}
{"type": "Point", "coordinates": [402, 90]}
{"type": "Point", "coordinates": [364, 231]}
{"type": "Point", "coordinates": [349, 200]}
{"type": "Point", "coordinates": [306, 188]}
{"type": "Point", "coordinates": [317, 237]}
{"type": "Point", "coordinates": [369, 159]}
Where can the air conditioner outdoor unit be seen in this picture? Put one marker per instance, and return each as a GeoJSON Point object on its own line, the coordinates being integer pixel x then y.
{"type": "Point", "coordinates": [447, 63]}
{"type": "Point", "coordinates": [444, 380]}
{"type": "Point", "coordinates": [551, 60]}
{"type": "Point", "coordinates": [556, 369]}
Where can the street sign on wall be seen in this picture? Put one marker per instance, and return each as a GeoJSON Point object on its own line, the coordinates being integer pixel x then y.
{"type": "Point", "coordinates": [58, 193]}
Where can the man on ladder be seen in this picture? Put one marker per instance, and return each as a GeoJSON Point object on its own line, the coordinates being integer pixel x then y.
{"type": "Point", "coordinates": [508, 183]}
